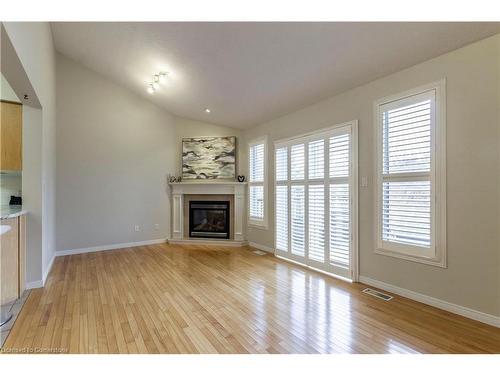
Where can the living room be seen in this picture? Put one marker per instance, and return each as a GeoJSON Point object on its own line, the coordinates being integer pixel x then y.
{"type": "Point", "coordinates": [250, 187]}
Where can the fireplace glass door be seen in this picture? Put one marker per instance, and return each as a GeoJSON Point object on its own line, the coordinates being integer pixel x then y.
{"type": "Point", "coordinates": [209, 219]}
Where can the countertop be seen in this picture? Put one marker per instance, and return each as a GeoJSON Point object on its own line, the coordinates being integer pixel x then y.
{"type": "Point", "coordinates": [8, 212]}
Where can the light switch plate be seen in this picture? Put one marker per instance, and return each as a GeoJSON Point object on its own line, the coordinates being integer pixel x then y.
{"type": "Point", "coordinates": [364, 181]}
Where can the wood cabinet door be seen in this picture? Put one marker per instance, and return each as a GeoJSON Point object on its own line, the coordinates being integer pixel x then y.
{"type": "Point", "coordinates": [9, 255]}
{"type": "Point", "coordinates": [11, 136]}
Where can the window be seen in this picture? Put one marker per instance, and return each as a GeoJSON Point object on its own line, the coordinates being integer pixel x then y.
{"type": "Point", "coordinates": [411, 200]}
{"type": "Point", "coordinates": [257, 206]}
{"type": "Point", "coordinates": [316, 199]}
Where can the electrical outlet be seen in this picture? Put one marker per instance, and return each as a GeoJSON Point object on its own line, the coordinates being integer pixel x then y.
{"type": "Point", "coordinates": [157, 226]}
{"type": "Point", "coordinates": [137, 228]}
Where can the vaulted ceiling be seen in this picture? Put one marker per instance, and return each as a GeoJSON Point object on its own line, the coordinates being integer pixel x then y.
{"type": "Point", "coordinates": [249, 73]}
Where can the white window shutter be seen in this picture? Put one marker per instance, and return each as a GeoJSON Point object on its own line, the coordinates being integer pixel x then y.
{"type": "Point", "coordinates": [406, 212]}
{"type": "Point", "coordinates": [298, 219]}
{"type": "Point", "coordinates": [339, 156]}
{"type": "Point", "coordinates": [316, 159]}
{"type": "Point", "coordinates": [339, 224]}
{"type": "Point", "coordinates": [316, 211]}
{"type": "Point", "coordinates": [282, 164]}
{"type": "Point", "coordinates": [282, 217]}
{"type": "Point", "coordinates": [297, 161]}
{"type": "Point", "coordinates": [405, 187]}
{"type": "Point", "coordinates": [257, 163]}
{"type": "Point", "coordinates": [407, 138]}
{"type": "Point", "coordinates": [256, 183]}
{"type": "Point", "coordinates": [257, 201]}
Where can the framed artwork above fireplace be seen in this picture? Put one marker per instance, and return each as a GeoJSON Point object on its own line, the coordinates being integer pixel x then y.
{"type": "Point", "coordinates": [206, 158]}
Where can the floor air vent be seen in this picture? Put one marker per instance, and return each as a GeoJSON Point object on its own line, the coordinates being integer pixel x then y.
{"type": "Point", "coordinates": [259, 252]}
{"type": "Point", "coordinates": [377, 294]}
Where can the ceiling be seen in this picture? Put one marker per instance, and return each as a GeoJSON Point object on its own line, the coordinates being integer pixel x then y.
{"type": "Point", "coordinates": [249, 73]}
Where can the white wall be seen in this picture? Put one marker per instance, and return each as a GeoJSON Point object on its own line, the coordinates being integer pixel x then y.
{"type": "Point", "coordinates": [6, 91]}
{"type": "Point", "coordinates": [32, 192]}
{"type": "Point", "coordinates": [34, 46]}
{"type": "Point", "coordinates": [472, 278]}
{"type": "Point", "coordinates": [114, 150]}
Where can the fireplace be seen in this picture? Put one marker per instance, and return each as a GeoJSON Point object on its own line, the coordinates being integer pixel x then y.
{"type": "Point", "coordinates": [209, 219]}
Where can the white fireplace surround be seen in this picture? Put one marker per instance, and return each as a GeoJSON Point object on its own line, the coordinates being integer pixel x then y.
{"type": "Point", "coordinates": [179, 189]}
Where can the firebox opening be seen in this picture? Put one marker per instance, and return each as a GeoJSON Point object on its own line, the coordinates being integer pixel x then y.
{"type": "Point", "coordinates": [209, 219]}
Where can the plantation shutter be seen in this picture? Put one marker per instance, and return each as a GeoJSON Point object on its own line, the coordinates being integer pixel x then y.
{"type": "Point", "coordinates": [256, 189]}
{"type": "Point", "coordinates": [339, 156]}
{"type": "Point", "coordinates": [297, 161]}
{"type": "Point", "coordinates": [339, 224]}
{"type": "Point", "coordinates": [281, 164]}
{"type": "Point", "coordinates": [316, 159]}
{"type": "Point", "coordinates": [316, 200]}
{"type": "Point", "coordinates": [407, 138]}
{"type": "Point", "coordinates": [282, 217]}
{"type": "Point", "coordinates": [316, 220]}
{"type": "Point", "coordinates": [298, 219]}
{"type": "Point", "coordinates": [257, 163]}
{"type": "Point", "coordinates": [406, 166]}
{"type": "Point", "coordinates": [339, 150]}
{"type": "Point", "coordinates": [257, 201]}
{"type": "Point", "coordinates": [281, 199]}
{"type": "Point", "coordinates": [313, 200]}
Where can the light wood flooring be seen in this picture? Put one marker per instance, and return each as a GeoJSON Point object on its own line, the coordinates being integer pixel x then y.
{"type": "Point", "coordinates": [197, 299]}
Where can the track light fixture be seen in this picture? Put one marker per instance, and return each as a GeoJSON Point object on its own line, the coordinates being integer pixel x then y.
{"type": "Point", "coordinates": [158, 79]}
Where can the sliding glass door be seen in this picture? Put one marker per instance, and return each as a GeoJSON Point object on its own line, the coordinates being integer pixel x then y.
{"type": "Point", "coordinates": [316, 200]}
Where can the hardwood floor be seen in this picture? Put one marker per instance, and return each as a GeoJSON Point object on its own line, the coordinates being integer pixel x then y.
{"type": "Point", "coordinates": [197, 299]}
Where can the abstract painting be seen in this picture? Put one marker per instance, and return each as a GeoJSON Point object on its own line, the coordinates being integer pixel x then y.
{"type": "Point", "coordinates": [209, 158]}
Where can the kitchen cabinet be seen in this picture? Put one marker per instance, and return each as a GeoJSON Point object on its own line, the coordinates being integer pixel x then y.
{"type": "Point", "coordinates": [11, 136]}
{"type": "Point", "coordinates": [9, 258]}
{"type": "Point", "coordinates": [12, 258]}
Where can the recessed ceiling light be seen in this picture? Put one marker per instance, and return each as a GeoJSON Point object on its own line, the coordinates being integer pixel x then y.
{"type": "Point", "coordinates": [207, 110]}
{"type": "Point", "coordinates": [151, 89]}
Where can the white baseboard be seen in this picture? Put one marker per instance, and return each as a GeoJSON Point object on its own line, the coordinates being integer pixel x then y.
{"type": "Point", "coordinates": [34, 284]}
{"type": "Point", "coordinates": [47, 271]}
{"type": "Point", "coordinates": [261, 247]}
{"type": "Point", "coordinates": [192, 241]}
{"type": "Point", "coordinates": [109, 247]}
{"type": "Point", "coordinates": [440, 304]}
{"type": "Point", "coordinates": [40, 283]}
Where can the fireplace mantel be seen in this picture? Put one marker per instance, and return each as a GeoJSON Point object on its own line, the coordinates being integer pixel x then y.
{"type": "Point", "coordinates": [179, 189]}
